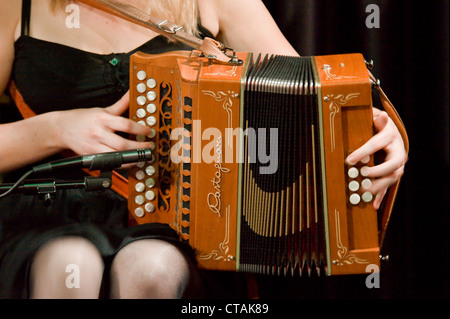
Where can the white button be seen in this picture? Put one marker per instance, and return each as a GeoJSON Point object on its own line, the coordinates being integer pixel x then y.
{"type": "Point", "coordinates": [150, 195]}
{"type": "Point", "coordinates": [139, 200]}
{"type": "Point", "coordinates": [152, 133]}
{"type": "Point", "coordinates": [141, 88]}
{"type": "Point", "coordinates": [151, 95]}
{"type": "Point", "coordinates": [141, 122]}
{"type": "Point", "coordinates": [151, 120]}
{"type": "Point", "coordinates": [149, 207]}
{"type": "Point", "coordinates": [141, 100]}
{"type": "Point", "coordinates": [353, 186]}
{"type": "Point", "coordinates": [364, 171]}
{"type": "Point", "coordinates": [367, 197]}
{"type": "Point", "coordinates": [140, 164]}
{"type": "Point", "coordinates": [150, 182]}
{"type": "Point", "coordinates": [152, 145]}
{"type": "Point", "coordinates": [141, 75]}
{"type": "Point", "coordinates": [355, 199]}
{"type": "Point", "coordinates": [140, 175]}
{"type": "Point", "coordinates": [366, 183]}
{"type": "Point", "coordinates": [150, 170]}
{"type": "Point", "coordinates": [140, 138]}
{"type": "Point", "coordinates": [141, 113]}
{"type": "Point", "coordinates": [353, 172]}
{"type": "Point", "coordinates": [151, 83]}
{"type": "Point", "coordinates": [139, 187]}
{"type": "Point", "coordinates": [151, 108]}
{"type": "Point", "coordinates": [366, 159]}
{"type": "Point", "coordinates": [139, 212]}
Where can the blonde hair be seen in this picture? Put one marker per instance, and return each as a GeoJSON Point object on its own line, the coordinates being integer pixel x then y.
{"type": "Point", "coordinates": [182, 12]}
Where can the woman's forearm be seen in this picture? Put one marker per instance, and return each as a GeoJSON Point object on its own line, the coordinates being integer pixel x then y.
{"type": "Point", "coordinates": [27, 141]}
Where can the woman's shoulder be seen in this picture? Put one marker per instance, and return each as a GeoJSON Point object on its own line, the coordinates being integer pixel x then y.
{"type": "Point", "coordinates": [10, 15]}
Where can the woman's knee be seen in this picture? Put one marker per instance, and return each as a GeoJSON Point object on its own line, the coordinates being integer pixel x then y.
{"type": "Point", "coordinates": [71, 265]}
{"type": "Point", "coordinates": [149, 268]}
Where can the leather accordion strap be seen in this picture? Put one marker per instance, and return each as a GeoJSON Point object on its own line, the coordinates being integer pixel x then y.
{"type": "Point", "coordinates": [388, 201]}
{"type": "Point", "coordinates": [119, 183]}
{"type": "Point", "coordinates": [209, 47]}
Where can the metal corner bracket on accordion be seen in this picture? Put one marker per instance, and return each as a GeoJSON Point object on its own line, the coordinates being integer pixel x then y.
{"type": "Point", "coordinates": [213, 128]}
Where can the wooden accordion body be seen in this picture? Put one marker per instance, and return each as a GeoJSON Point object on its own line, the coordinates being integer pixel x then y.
{"type": "Point", "coordinates": [249, 160]}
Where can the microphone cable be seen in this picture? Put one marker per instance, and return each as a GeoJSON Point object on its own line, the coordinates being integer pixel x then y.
{"type": "Point", "coordinates": [16, 184]}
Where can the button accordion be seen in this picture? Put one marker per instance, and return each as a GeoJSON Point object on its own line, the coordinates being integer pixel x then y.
{"type": "Point", "coordinates": [248, 160]}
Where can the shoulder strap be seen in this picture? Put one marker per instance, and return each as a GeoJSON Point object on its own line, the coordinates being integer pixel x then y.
{"type": "Point", "coordinates": [26, 15]}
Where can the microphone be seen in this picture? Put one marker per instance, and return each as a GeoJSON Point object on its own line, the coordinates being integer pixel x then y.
{"type": "Point", "coordinates": [98, 161]}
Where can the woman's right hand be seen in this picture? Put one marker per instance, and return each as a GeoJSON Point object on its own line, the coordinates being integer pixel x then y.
{"type": "Point", "coordinates": [94, 130]}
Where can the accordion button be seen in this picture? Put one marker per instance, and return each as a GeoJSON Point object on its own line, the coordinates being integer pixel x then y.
{"type": "Point", "coordinates": [141, 113]}
{"type": "Point", "coordinates": [139, 187]}
{"type": "Point", "coordinates": [151, 108]}
{"type": "Point", "coordinates": [141, 75]}
{"type": "Point", "coordinates": [151, 120]}
{"type": "Point", "coordinates": [150, 195]}
{"type": "Point", "coordinates": [141, 88]}
{"type": "Point", "coordinates": [140, 175]}
{"type": "Point", "coordinates": [353, 172]}
{"type": "Point", "coordinates": [367, 197]}
{"type": "Point", "coordinates": [139, 200]}
{"type": "Point", "coordinates": [152, 133]}
{"type": "Point", "coordinates": [364, 171]}
{"type": "Point", "coordinates": [139, 212]}
{"type": "Point", "coordinates": [365, 160]}
{"type": "Point", "coordinates": [151, 95]}
{"type": "Point", "coordinates": [149, 207]}
{"type": "Point", "coordinates": [366, 183]}
{"type": "Point", "coordinates": [353, 186]}
{"type": "Point", "coordinates": [355, 199]}
{"type": "Point", "coordinates": [141, 100]}
{"type": "Point", "coordinates": [150, 182]}
{"type": "Point", "coordinates": [140, 138]}
{"type": "Point", "coordinates": [140, 164]}
{"type": "Point", "coordinates": [151, 83]}
{"type": "Point", "coordinates": [150, 170]}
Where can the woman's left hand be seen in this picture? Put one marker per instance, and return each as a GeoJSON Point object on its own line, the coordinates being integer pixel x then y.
{"type": "Point", "coordinates": [388, 139]}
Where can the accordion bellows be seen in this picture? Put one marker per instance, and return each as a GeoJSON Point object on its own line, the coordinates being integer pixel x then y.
{"type": "Point", "coordinates": [249, 160]}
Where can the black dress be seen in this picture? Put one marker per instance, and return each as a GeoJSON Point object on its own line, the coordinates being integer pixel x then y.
{"type": "Point", "coordinates": [52, 77]}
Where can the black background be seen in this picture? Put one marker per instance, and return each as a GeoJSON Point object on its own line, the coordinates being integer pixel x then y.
{"type": "Point", "coordinates": [410, 51]}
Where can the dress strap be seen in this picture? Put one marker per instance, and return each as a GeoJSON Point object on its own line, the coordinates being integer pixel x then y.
{"type": "Point", "coordinates": [26, 13]}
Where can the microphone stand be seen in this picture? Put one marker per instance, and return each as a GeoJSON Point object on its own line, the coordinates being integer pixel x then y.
{"type": "Point", "coordinates": [46, 188]}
